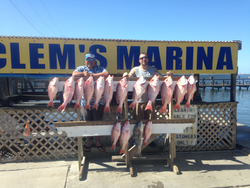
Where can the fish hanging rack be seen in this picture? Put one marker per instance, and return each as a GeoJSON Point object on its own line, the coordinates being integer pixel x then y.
{"type": "Point", "coordinates": [98, 128]}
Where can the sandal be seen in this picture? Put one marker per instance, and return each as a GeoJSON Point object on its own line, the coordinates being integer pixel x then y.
{"type": "Point", "coordinates": [101, 148]}
{"type": "Point", "coordinates": [87, 149]}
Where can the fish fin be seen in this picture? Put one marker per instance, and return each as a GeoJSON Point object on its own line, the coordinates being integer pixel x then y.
{"type": "Point", "coordinates": [122, 151]}
{"type": "Point", "coordinates": [62, 107]}
{"type": "Point", "coordinates": [119, 109]}
{"type": "Point", "coordinates": [50, 103]}
{"type": "Point", "coordinates": [177, 106]}
{"type": "Point", "coordinates": [106, 109]}
{"type": "Point", "coordinates": [149, 106]}
{"type": "Point", "coordinates": [95, 106]}
{"type": "Point", "coordinates": [77, 105]}
{"type": "Point", "coordinates": [132, 105]}
{"type": "Point", "coordinates": [87, 106]}
{"type": "Point", "coordinates": [163, 110]}
{"type": "Point", "coordinates": [113, 146]}
{"type": "Point", "coordinates": [187, 105]}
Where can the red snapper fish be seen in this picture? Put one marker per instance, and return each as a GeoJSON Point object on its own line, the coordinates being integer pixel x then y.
{"type": "Point", "coordinates": [88, 91]}
{"type": "Point", "coordinates": [125, 136]}
{"type": "Point", "coordinates": [167, 89]}
{"type": "Point", "coordinates": [115, 134]}
{"type": "Point", "coordinates": [69, 88]}
{"type": "Point", "coordinates": [180, 91]}
{"type": "Point", "coordinates": [152, 91]}
{"type": "Point", "coordinates": [138, 89]}
{"type": "Point", "coordinates": [98, 91]}
{"type": "Point", "coordinates": [52, 90]}
{"type": "Point", "coordinates": [191, 88]}
{"type": "Point", "coordinates": [79, 89]}
{"type": "Point", "coordinates": [121, 93]}
{"type": "Point", "coordinates": [108, 92]}
{"type": "Point", "coordinates": [147, 132]}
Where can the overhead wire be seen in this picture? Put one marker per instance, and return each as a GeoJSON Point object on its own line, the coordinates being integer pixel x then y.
{"type": "Point", "coordinates": [50, 16]}
{"type": "Point", "coordinates": [41, 17]}
{"type": "Point", "coordinates": [23, 15]}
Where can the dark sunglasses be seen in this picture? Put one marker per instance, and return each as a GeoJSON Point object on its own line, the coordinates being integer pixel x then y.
{"type": "Point", "coordinates": [143, 58]}
{"type": "Point", "coordinates": [90, 59]}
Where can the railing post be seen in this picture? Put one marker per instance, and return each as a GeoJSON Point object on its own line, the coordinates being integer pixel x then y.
{"type": "Point", "coordinates": [233, 88]}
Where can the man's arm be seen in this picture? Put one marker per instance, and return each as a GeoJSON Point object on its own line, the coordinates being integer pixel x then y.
{"type": "Point", "coordinates": [156, 72]}
{"type": "Point", "coordinates": [87, 74]}
{"type": "Point", "coordinates": [130, 74]}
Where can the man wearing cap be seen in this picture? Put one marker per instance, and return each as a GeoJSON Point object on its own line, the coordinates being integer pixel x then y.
{"type": "Point", "coordinates": [91, 69]}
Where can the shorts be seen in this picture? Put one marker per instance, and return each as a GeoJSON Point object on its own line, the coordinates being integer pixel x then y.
{"type": "Point", "coordinates": [140, 112]}
{"type": "Point", "coordinates": [93, 114]}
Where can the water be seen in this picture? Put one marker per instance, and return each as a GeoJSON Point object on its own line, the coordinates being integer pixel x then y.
{"type": "Point", "coordinates": [242, 96]}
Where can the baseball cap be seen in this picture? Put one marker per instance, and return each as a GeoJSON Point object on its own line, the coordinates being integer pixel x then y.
{"type": "Point", "coordinates": [89, 55]}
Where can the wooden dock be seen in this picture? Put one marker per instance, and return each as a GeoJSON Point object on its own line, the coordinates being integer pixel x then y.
{"type": "Point", "coordinates": [223, 83]}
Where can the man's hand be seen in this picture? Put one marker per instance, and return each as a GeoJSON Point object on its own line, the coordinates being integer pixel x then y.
{"type": "Point", "coordinates": [169, 73]}
{"type": "Point", "coordinates": [125, 74]}
{"type": "Point", "coordinates": [86, 74]}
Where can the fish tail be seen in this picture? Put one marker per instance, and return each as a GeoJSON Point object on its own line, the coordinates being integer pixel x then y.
{"type": "Point", "coordinates": [50, 103]}
{"type": "Point", "coordinates": [95, 106]}
{"type": "Point", "coordinates": [187, 105]}
{"type": "Point", "coordinates": [113, 146]}
{"type": "Point", "coordinates": [144, 143]}
{"type": "Point", "coordinates": [177, 106]}
{"type": "Point", "coordinates": [77, 105]}
{"type": "Point", "coordinates": [62, 107]}
{"type": "Point", "coordinates": [132, 105]}
{"type": "Point", "coordinates": [163, 110]}
{"type": "Point", "coordinates": [122, 151]}
{"type": "Point", "coordinates": [87, 106]}
{"type": "Point", "coordinates": [149, 106]}
{"type": "Point", "coordinates": [119, 109]}
{"type": "Point", "coordinates": [106, 108]}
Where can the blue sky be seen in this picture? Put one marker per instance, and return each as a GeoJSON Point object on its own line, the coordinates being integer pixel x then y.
{"type": "Point", "coordinates": [200, 20]}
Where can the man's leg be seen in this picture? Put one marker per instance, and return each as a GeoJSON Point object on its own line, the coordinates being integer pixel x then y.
{"type": "Point", "coordinates": [139, 111]}
{"type": "Point", "coordinates": [86, 116]}
{"type": "Point", "coordinates": [97, 116]}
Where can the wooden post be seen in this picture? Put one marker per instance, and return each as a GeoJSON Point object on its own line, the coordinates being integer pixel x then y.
{"type": "Point", "coordinates": [80, 150]}
{"type": "Point", "coordinates": [233, 88]}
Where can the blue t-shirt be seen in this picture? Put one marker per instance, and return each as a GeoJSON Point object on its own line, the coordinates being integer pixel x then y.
{"type": "Point", "coordinates": [96, 69]}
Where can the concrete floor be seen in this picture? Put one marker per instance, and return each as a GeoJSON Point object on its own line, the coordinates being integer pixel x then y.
{"type": "Point", "coordinates": [222, 169]}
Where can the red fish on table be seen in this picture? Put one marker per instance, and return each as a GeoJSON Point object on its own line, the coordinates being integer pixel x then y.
{"type": "Point", "coordinates": [191, 88]}
{"type": "Point", "coordinates": [52, 90]}
{"type": "Point", "coordinates": [152, 91]}
{"type": "Point", "coordinates": [167, 89]}
{"type": "Point", "coordinates": [108, 93]}
{"type": "Point", "coordinates": [138, 89]}
{"type": "Point", "coordinates": [88, 91]}
{"type": "Point", "coordinates": [121, 93]}
{"type": "Point", "coordinates": [147, 132]}
{"type": "Point", "coordinates": [69, 89]}
{"type": "Point", "coordinates": [79, 89]}
{"type": "Point", "coordinates": [125, 136]}
{"type": "Point", "coordinates": [115, 134]}
{"type": "Point", "coordinates": [180, 91]}
{"type": "Point", "coordinates": [98, 91]}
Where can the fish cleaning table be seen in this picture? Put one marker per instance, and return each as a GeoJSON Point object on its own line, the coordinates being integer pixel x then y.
{"type": "Point", "coordinates": [103, 128]}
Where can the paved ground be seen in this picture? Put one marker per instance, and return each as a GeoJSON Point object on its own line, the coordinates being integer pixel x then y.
{"type": "Point", "coordinates": [197, 169]}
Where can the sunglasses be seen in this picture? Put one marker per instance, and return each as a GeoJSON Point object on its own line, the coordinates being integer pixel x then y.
{"type": "Point", "coordinates": [143, 58]}
{"type": "Point", "coordinates": [90, 59]}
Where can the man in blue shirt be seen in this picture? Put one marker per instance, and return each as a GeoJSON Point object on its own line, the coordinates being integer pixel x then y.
{"type": "Point", "coordinates": [91, 69]}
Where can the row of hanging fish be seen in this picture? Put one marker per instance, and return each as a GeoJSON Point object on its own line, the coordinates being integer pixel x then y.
{"type": "Point", "coordinates": [183, 87]}
{"type": "Point", "coordinates": [141, 134]}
